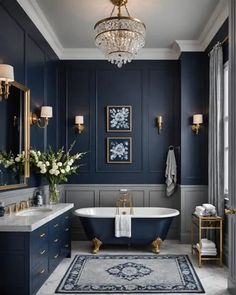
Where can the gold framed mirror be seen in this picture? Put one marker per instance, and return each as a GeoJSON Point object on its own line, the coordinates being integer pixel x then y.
{"type": "Point", "coordinates": [15, 139]}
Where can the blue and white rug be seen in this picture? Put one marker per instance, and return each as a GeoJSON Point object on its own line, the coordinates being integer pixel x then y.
{"type": "Point", "coordinates": [116, 274]}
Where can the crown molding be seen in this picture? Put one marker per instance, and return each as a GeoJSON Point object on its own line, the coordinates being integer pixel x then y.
{"type": "Point", "coordinates": [218, 17]}
{"type": "Point", "coordinates": [96, 54]}
{"type": "Point", "coordinates": [216, 20]}
{"type": "Point", "coordinates": [35, 13]}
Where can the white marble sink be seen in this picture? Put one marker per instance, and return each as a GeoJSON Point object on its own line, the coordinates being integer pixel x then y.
{"type": "Point", "coordinates": [33, 211]}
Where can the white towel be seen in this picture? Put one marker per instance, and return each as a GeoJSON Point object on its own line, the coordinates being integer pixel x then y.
{"type": "Point", "coordinates": [207, 244]}
{"type": "Point", "coordinates": [212, 252]}
{"type": "Point", "coordinates": [171, 173]}
{"type": "Point", "coordinates": [123, 225]}
{"type": "Point", "coordinates": [209, 206]}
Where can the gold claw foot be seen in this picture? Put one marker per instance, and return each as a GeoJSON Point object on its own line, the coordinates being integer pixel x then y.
{"type": "Point", "coordinates": [156, 245]}
{"type": "Point", "coordinates": [96, 245]}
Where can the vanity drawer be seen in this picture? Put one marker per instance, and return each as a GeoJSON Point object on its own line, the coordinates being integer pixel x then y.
{"type": "Point", "coordinates": [54, 257]}
{"type": "Point", "coordinates": [39, 255]}
{"type": "Point", "coordinates": [38, 276]}
{"type": "Point", "coordinates": [39, 237]}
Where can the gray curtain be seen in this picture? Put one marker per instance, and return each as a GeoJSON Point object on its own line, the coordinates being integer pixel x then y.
{"type": "Point", "coordinates": [216, 130]}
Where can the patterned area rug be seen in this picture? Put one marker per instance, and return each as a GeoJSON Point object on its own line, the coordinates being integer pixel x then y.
{"type": "Point", "coordinates": [116, 274]}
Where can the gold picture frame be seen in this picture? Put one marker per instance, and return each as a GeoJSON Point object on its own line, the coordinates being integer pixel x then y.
{"type": "Point", "coordinates": [124, 124]}
{"type": "Point", "coordinates": [119, 150]}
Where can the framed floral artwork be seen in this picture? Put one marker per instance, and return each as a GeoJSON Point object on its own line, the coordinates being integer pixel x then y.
{"type": "Point", "coordinates": [119, 150]}
{"type": "Point", "coordinates": [119, 118]}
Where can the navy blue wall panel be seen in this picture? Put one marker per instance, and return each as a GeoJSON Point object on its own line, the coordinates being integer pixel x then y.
{"type": "Point", "coordinates": [150, 87]}
{"type": "Point", "coordinates": [35, 65]}
{"type": "Point", "coordinates": [194, 100]}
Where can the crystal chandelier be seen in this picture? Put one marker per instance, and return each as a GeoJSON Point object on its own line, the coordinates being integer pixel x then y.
{"type": "Point", "coordinates": [120, 37]}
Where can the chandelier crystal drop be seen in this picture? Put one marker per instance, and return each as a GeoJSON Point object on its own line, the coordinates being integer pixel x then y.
{"type": "Point", "coordinates": [120, 37]}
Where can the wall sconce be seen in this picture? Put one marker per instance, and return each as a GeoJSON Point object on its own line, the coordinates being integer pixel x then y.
{"type": "Point", "coordinates": [159, 123]}
{"type": "Point", "coordinates": [6, 76]}
{"type": "Point", "coordinates": [197, 121]}
{"type": "Point", "coordinates": [79, 124]}
{"type": "Point", "coordinates": [42, 121]}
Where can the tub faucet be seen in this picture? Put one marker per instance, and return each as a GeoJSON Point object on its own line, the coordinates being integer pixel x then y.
{"type": "Point", "coordinates": [125, 201]}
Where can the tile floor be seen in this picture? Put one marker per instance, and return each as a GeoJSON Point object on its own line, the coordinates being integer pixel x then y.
{"type": "Point", "coordinates": [212, 276]}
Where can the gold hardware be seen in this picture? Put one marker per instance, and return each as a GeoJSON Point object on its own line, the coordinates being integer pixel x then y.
{"type": "Point", "coordinates": [79, 128]}
{"type": "Point", "coordinates": [197, 121]}
{"type": "Point", "coordinates": [159, 123]}
{"type": "Point", "coordinates": [23, 205]}
{"type": "Point", "coordinates": [40, 122]}
{"type": "Point", "coordinates": [42, 271]}
{"type": "Point", "coordinates": [119, 2]}
{"type": "Point", "coordinates": [156, 245]}
{"type": "Point", "coordinates": [96, 245]}
{"type": "Point", "coordinates": [56, 256]}
{"type": "Point", "coordinates": [125, 201]}
{"type": "Point", "coordinates": [42, 235]}
{"type": "Point", "coordinates": [56, 240]}
{"type": "Point", "coordinates": [196, 128]}
{"type": "Point", "coordinates": [56, 225]}
{"type": "Point", "coordinates": [42, 252]}
{"type": "Point", "coordinates": [230, 211]}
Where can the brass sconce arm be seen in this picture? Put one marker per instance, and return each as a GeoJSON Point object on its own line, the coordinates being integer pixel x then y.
{"type": "Point", "coordinates": [40, 122]}
{"type": "Point", "coordinates": [196, 128]}
{"type": "Point", "coordinates": [159, 123]}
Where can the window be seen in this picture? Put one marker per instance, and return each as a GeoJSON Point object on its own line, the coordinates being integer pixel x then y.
{"type": "Point", "coordinates": [226, 128]}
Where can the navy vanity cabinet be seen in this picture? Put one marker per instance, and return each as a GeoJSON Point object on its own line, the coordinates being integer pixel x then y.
{"type": "Point", "coordinates": [28, 258]}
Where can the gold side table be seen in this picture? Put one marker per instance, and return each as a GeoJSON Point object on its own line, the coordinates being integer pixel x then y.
{"type": "Point", "coordinates": [202, 223]}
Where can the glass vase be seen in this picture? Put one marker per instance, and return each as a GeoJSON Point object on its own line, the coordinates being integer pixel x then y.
{"type": "Point", "coordinates": [54, 194]}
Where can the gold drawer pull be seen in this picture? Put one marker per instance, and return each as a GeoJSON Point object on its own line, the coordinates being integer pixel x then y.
{"type": "Point", "coordinates": [66, 217]}
{"type": "Point", "coordinates": [56, 256]}
{"type": "Point", "coordinates": [67, 246]}
{"type": "Point", "coordinates": [42, 271]}
{"type": "Point", "coordinates": [56, 225]}
{"type": "Point", "coordinates": [67, 229]}
{"type": "Point", "coordinates": [42, 235]}
{"type": "Point", "coordinates": [56, 240]}
{"type": "Point", "coordinates": [42, 252]}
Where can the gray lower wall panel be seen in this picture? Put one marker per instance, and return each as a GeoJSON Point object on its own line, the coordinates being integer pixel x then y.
{"type": "Point", "coordinates": [190, 196]}
{"type": "Point", "coordinates": [95, 195]}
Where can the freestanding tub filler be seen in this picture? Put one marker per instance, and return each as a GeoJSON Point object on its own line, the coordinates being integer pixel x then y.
{"type": "Point", "coordinates": [149, 225]}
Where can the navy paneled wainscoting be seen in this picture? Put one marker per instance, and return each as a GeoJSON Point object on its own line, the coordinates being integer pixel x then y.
{"type": "Point", "coordinates": [150, 87]}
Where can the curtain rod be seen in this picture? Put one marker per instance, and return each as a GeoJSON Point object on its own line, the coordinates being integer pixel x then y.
{"type": "Point", "coordinates": [225, 40]}
{"type": "Point", "coordinates": [219, 43]}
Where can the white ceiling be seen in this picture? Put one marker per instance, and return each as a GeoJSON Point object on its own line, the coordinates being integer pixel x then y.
{"type": "Point", "coordinates": [68, 24]}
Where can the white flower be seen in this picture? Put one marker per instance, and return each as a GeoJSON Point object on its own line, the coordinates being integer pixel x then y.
{"type": "Point", "coordinates": [57, 172]}
{"type": "Point", "coordinates": [39, 153]}
{"type": "Point", "coordinates": [51, 171]}
{"type": "Point", "coordinates": [47, 163]}
{"type": "Point", "coordinates": [54, 167]}
{"type": "Point", "coordinates": [67, 168]}
{"type": "Point", "coordinates": [59, 164]}
{"type": "Point", "coordinates": [17, 159]}
{"type": "Point", "coordinates": [63, 171]}
{"type": "Point", "coordinates": [43, 171]}
{"type": "Point", "coordinates": [39, 163]}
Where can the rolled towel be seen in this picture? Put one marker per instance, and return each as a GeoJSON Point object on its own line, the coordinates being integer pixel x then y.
{"type": "Point", "coordinates": [123, 225]}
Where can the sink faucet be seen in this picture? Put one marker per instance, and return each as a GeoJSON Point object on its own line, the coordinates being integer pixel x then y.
{"type": "Point", "coordinates": [24, 204]}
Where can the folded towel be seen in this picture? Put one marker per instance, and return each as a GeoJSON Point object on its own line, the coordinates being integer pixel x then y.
{"type": "Point", "coordinates": [209, 206]}
{"type": "Point", "coordinates": [171, 173]}
{"type": "Point", "coordinates": [212, 252]}
{"type": "Point", "coordinates": [123, 225]}
{"type": "Point", "coordinates": [207, 244]}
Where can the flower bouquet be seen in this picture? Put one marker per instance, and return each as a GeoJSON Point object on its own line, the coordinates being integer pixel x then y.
{"type": "Point", "coordinates": [55, 167]}
{"type": "Point", "coordinates": [13, 163]}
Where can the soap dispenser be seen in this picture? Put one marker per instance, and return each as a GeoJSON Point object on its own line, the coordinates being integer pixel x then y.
{"type": "Point", "coordinates": [38, 199]}
{"type": "Point", "coordinates": [2, 209]}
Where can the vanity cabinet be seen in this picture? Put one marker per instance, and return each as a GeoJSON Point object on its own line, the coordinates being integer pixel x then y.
{"type": "Point", "coordinates": [28, 258]}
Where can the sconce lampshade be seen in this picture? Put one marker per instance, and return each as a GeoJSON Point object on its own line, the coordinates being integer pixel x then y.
{"type": "Point", "coordinates": [46, 112]}
{"type": "Point", "coordinates": [6, 73]}
{"type": "Point", "coordinates": [198, 119]}
{"type": "Point", "coordinates": [79, 120]}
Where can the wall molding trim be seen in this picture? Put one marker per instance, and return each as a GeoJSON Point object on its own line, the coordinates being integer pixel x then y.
{"type": "Point", "coordinates": [216, 20]}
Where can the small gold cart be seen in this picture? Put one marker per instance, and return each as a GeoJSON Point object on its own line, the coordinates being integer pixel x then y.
{"type": "Point", "coordinates": [207, 223]}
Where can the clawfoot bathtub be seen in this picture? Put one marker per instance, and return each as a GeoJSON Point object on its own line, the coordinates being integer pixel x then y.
{"type": "Point", "coordinates": [149, 225]}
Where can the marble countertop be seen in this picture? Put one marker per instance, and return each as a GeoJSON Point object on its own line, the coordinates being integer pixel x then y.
{"type": "Point", "coordinates": [16, 223]}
